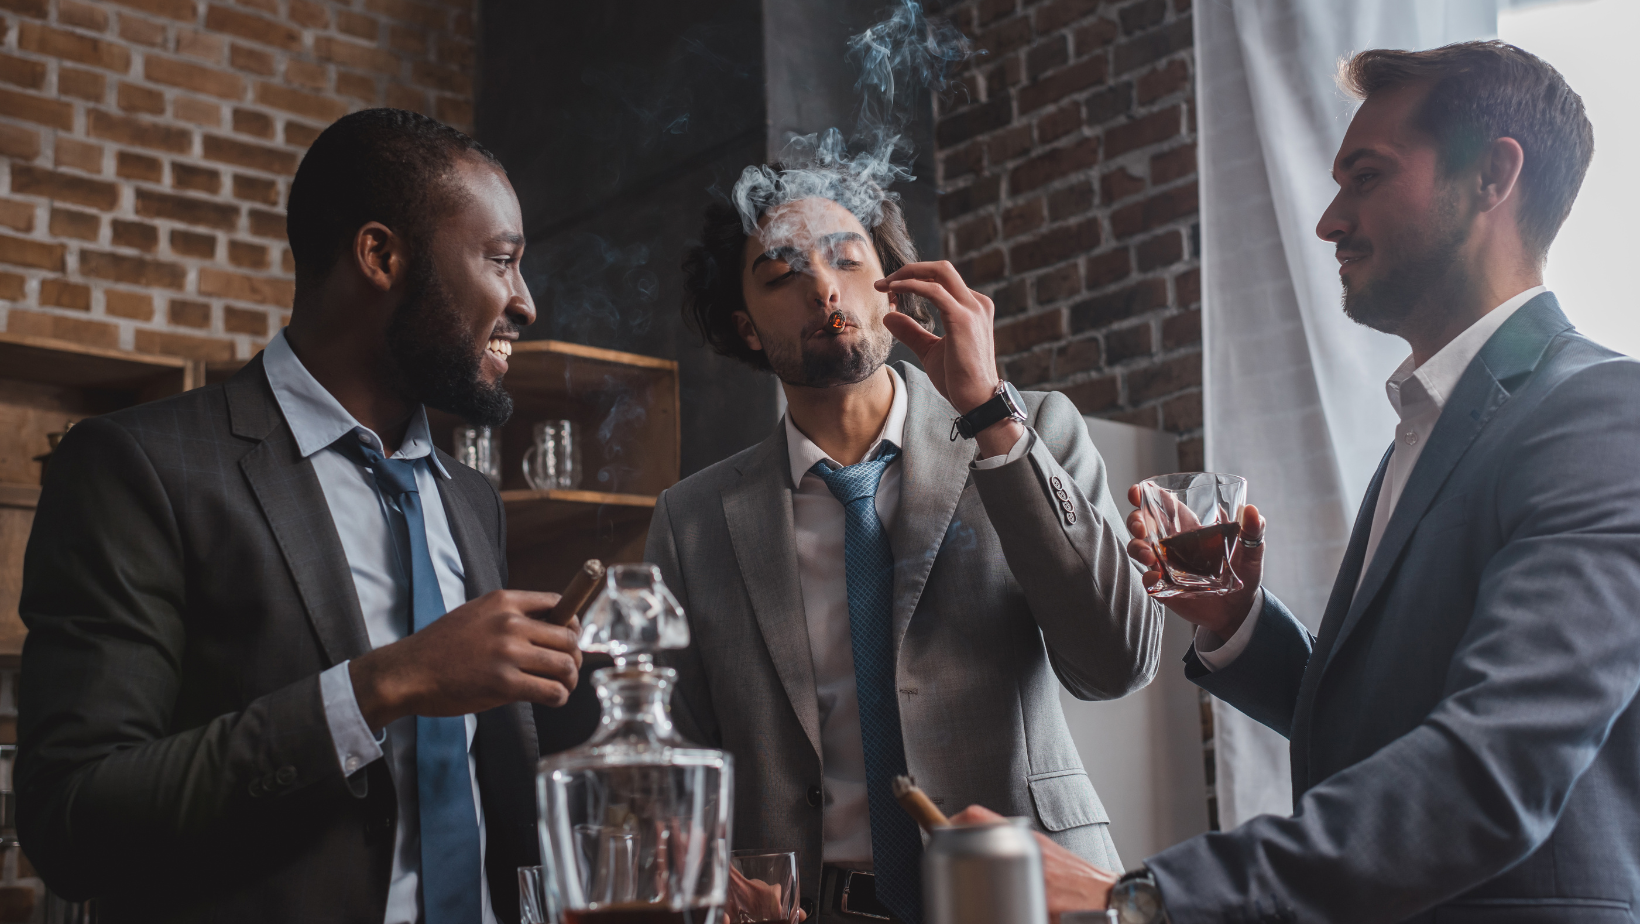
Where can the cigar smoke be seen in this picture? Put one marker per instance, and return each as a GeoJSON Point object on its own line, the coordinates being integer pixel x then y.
{"type": "Point", "coordinates": [897, 58]}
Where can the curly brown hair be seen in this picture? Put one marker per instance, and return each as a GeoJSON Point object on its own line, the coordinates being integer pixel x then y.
{"type": "Point", "coordinates": [712, 275]}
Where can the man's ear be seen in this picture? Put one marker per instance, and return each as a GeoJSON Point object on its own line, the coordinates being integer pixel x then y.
{"type": "Point", "coordinates": [378, 255]}
{"type": "Point", "coordinates": [747, 330]}
{"type": "Point", "coordinates": [1500, 166]}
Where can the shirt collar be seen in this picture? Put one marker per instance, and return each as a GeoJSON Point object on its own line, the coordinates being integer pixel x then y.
{"type": "Point", "coordinates": [317, 419]}
{"type": "Point", "coordinates": [1415, 390]}
{"type": "Point", "coordinates": [804, 453]}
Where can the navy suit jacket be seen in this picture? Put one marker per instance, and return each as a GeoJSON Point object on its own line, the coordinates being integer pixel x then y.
{"type": "Point", "coordinates": [1465, 741]}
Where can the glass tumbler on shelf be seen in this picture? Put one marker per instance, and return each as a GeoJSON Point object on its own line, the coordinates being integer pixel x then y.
{"type": "Point", "coordinates": [1192, 521]}
{"type": "Point", "coordinates": [553, 461]}
{"type": "Point", "coordinates": [479, 448]}
{"type": "Point", "coordinates": [635, 823]}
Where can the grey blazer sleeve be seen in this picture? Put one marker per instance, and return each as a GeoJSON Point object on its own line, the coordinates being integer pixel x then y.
{"type": "Point", "coordinates": [1103, 632]}
{"type": "Point", "coordinates": [107, 785]}
{"type": "Point", "coordinates": [692, 701]}
{"type": "Point", "coordinates": [1550, 659]}
{"type": "Point", "coordinates": [1263, 680]}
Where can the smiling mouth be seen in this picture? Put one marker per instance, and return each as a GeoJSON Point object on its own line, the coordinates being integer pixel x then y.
{"type": "Point", "coordinates": [499, 348]}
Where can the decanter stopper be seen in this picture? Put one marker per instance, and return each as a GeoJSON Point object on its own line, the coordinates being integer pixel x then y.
{"type": "Point", "coordinates": [635, 616]}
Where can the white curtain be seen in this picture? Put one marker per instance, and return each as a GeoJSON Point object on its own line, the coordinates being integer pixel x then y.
{"type": "Point", "coordinates": [1294, 394]}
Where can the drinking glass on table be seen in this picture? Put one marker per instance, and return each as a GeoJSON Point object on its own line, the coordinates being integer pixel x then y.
{"type": "Point", "coordinates": [535, 905]}
{"type": "Point", "coordinates": [1192, 520]}
{"type": "Point", "coordinates": [763, 887]}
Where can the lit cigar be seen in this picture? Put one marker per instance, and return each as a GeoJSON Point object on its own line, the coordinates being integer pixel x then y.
{"type": "Point", "coordinates": [582, 588]}
{"type": "Point", "coordinates": [836, 322]}
{"type": "Point", "coordinates": [917, 804]}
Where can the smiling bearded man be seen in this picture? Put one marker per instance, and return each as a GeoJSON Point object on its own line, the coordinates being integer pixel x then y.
{"type": "Point", "coordinates": [271, 674]}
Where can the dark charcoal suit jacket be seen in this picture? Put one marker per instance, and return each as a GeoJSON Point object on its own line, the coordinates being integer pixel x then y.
{"type": "Point", "coordinates": [183, 588]}
{"type": "Point", "coordinates": [1465, 738]}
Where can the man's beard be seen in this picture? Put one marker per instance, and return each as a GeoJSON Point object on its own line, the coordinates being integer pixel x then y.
{"type": "Point", "coordinates": [823, 361]}
{"type": "Point", "coordinates": [1412, 270]}
{"type": "Point", "coordinates": [436, 361]}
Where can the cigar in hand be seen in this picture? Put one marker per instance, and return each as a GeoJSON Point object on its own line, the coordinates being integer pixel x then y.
{"type": "Point", "coordinates": [582, 588]}
{"type": "Point", "coordinates": [917, 804]}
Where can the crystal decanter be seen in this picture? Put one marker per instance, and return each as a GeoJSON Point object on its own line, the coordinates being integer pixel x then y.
{"type": "Point", "coordinates": [635, 823]}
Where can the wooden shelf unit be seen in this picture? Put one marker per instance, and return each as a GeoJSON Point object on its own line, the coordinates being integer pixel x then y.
{"type": "Point", "coordinates": [626, 407]}
{"type": "Point", "coordinates": [43, 384]}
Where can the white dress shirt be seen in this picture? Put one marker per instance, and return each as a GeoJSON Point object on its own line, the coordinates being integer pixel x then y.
{"type": "Point", "coordinates": [1418, 394]}
{"type": "Point", "coordinates": [377, 557]}
{"type": "Point", "coordinates": [817, 520]}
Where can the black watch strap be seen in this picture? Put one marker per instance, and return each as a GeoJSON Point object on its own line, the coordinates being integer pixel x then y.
{"type": "Point", "coordinates": [1006, 404]}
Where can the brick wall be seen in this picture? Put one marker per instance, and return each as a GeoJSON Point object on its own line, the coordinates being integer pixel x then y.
{"type": "Point", "coordinates": [1067, 170]}
{"type": "Point", "coordinates": [149, 144]}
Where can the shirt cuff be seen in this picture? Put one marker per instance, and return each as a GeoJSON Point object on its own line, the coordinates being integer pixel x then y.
{"type": "Point", "coordinates": [1014, 454]}
{"type": "Point", "coordinates": [355, 746]}
{"type": "Point", "coordinates": [1217, 653]}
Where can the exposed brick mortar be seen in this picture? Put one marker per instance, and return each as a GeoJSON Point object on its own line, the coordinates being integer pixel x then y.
{"type": "Point", "coordinates": [139, 133]}
{"type": "Point", "coordinates": [1066, 166]}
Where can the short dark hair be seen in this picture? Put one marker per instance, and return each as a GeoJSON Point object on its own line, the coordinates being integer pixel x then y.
{"type": "Point", "coordinates": [712, 271]}
{"type": "Point", "coordinates": [1482, 91]}
{"type": "Point", "coordinates": [383, 165]}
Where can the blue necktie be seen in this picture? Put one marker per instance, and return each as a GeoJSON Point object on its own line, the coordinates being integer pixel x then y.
{"type": "Point", "coordinates": [896, 845]}
{"type": "Point", "coordinates": [450, 861]}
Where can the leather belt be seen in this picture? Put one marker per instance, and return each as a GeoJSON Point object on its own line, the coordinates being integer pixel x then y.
{"type": "Point", "coordinates": [851, 895]}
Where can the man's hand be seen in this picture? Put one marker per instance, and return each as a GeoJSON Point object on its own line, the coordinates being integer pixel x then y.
{"type": "Point", "coordinates": [963, 363]}
{"type": "Point", "coordinates": [756, 900]}
{"type": "Point", "coordinates": [1220, 614]}
{"type": "Point", "coordinates": [485, 653]}
{"type": "Point", "coordinates": [1073, 884]}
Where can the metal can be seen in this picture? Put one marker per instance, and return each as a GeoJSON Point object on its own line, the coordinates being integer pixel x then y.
{"type": "Point", "coordinates": [984, 874]}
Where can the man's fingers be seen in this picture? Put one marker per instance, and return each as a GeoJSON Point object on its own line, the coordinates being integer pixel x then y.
{"type": "Point", "coordinates": [906, 330]}
{"type": "Point", "coordinates": [975, 814]}
{"type": "Point", "coordinates": [532, 689]}
{"type": "Point", "coordinates": [528, 602]}
{"type": "Point", "coordinates": [1140, 551]}
{"type": "Point", "coordinates": [1134, 496]}
{"type": "Point", "coordinates": [939, 295]}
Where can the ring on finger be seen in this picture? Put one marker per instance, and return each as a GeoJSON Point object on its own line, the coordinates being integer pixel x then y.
{"type": "Point", "coordinates": [1253, 544]}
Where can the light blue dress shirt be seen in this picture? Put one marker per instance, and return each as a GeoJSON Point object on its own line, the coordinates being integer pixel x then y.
{"type": "Point", "coordinates": [377, 557]}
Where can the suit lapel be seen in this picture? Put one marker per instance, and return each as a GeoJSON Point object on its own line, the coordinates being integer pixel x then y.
{"type": "Point", "coordinates": [480, 571]}
{"type": "Point", "coordinates": [933, 473]}
{"type": "Point", "coordinates": [288, 491]}
{"type": "Point", "coordinates": [1338, 606]}
{"type": "Point", "coordinates": [1512, 352]}
{"type": "Point", "coordinates": [758, 512]}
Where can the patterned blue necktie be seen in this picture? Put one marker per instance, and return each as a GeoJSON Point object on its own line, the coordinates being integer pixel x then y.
{"type": "Point", "coordinates": [896, 845]}
{"type": "Point", "coordinates": [450, 861]}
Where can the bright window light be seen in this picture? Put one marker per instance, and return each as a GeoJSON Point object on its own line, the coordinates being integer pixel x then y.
{"type": "Point", "coordinates": [1592, 264]}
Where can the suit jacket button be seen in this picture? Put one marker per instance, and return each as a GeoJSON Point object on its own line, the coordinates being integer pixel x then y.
{"type": "Point", "coordinates": [1070, 517]}
{"type": "Point", "coordinates": [285, 776]}
{"type": "Point", "coordinates": [1057, 484]}
{"type": "Point", "coordinates": [1066, 506]}
{"type": "Point", "coordinates": [814, 796]}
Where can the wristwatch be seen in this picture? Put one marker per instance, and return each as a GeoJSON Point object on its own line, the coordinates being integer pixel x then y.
{"type": "Point", "coordinates": [1136, 899]}
{"type": "Point", "coordinates": [1006, 404]}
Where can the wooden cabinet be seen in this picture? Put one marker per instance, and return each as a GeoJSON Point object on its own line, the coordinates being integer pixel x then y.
{"type": "Point", "coordinates": [44, 384]}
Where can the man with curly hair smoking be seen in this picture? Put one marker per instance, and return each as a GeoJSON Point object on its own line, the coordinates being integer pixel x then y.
{"type": "Point", "coordinates": [903, 573]}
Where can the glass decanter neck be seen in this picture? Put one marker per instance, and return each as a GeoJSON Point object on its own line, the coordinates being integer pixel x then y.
{"type": "Point", "coordinates": [634, 695]}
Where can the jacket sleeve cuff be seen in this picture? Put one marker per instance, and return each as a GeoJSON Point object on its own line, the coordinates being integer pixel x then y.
{"type": "Point", "coordinates": [1215, 653]}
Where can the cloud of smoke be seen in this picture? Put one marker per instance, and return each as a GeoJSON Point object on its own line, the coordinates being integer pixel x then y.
{"type": "Point", "coordinates": [897, 58]}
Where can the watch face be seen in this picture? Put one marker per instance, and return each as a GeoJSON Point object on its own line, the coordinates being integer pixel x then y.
{"type": "Point", "coordinates": [1139, 904]}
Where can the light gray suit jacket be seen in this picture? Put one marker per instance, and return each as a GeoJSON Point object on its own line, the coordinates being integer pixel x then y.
{"type": "Point", "coordinates": [1000, 586]}
{"type": "Point", "coordinates": [1465, 739]}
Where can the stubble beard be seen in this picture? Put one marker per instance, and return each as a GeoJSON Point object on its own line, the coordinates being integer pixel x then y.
{"type": "Point", "coordinates": [823, 361]}
{"type": "Point", "coordinates": [435, 361]}
{"type": "Point", "coordinates": [1414, 272]}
